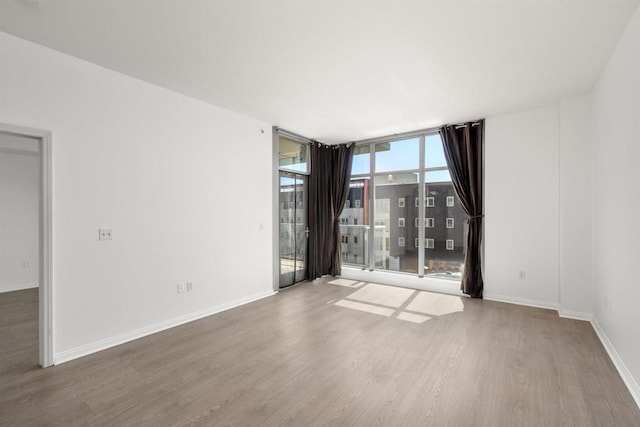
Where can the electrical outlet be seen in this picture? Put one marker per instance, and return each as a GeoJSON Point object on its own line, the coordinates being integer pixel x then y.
{"type": "Point", "coordinates": [26, 264]}
{"type": "Point", "coordinates": [105, 234]}
{"type": "Point", "coordinates": [180, 288]}
{"type": "Point", "coordinates": [189, 287]}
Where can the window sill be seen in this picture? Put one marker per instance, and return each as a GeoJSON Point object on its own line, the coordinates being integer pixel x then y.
{"type": "Point", "coordinates": [433, 284]}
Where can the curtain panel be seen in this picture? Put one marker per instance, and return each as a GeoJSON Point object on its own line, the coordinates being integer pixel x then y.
{"type": "Point", "coordinates": [328, 190]}
{"type": "Point", "coordinates": [463, 145]}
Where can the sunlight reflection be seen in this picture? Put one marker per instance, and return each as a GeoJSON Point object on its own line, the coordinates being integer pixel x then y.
{"type": "Point", "coordinates": [436, 304]}
{"type": "Point", "coordinates": [387, 312]}
{"type": "Point", "coordinates": [347, 283]}
{"type": "Point", "coordinates": [401, 303]}
{"type": "Point", "coordinates": [415, 318]}
{"type": "Point", "coordinates": [390, 296]}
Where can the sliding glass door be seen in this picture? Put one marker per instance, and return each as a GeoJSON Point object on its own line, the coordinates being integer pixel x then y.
{"type": "Point", "coordinates": [293, 228]}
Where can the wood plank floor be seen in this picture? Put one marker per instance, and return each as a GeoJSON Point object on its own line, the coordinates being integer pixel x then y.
{"type": "Point", "coordinates": [325, 354]}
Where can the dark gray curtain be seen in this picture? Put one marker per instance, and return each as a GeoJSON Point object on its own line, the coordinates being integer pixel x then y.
{"type": "Point", "coordinates": [328, 190]}
{"type": "Point", "coordinates": [463, 151]}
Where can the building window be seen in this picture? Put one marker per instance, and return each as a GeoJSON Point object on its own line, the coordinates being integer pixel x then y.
{"type": "Point", "coordinates": [417, 202]}
{"type": "Point", "coordinates": [355, 240]}
{"type": "Point", "coordinates": [347, 204]}
{"type": "Point", "coordinates": [401, 241]}
{"type": "Point", "coordinates": [428, 243]}
{"type": "Point", "coordinates": [401, 202]}
{"type": "Point", "coordinates": [400, 222]}
{"type": "Point", "coordinates": [450, 246]}
{"type": "Point", "coordinates": [357, 202]}
{"type": "Point", "coordinates": [416, 243]}
{"type": "Point", "coordinates": [449, 201]}
{"type": "Point", "coordinates": [431, 202]}
{"type": "Point", "coordinates": [417, 221]}
{"type": "Point", "coordinates": [345, 238]}
{"type": "Point", "coordinates": [355, 221]}
{"type": "Point", "coordinates": [450, 222]}
{"type": "Point", "coordinates": [430, 222]}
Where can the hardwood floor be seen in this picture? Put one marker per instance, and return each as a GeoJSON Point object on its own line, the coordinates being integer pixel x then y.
{"type": "Point", "coordinates": [326, 354]}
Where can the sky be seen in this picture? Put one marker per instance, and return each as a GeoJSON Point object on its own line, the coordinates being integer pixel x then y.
{"type": "Point", "coordinates": [401, 155]}
{"type": "Point", "coordinates": [404, 155]}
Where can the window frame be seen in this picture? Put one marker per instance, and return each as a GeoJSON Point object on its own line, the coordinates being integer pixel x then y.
{"type": "Point", "coordinates": [298, 140]}
{"type": "Point", "coordinates": [423, 180]}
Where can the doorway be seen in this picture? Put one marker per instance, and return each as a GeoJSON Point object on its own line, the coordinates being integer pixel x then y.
{"type": "Point", "coordinates": [31, 255]}
{"type": "Point", "coordinates": [294, 232]}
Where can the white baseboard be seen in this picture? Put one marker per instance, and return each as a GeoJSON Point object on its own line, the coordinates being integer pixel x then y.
{"type": "Point", "coordinates": [103, 344]}
{"type": "Point", "coordinates": [628, 379]}
{"type": "Point", "coordinates": [521, 301]}
{"type": "Point", "coordinates": [17, 287]}
{"type": "Point", "coordinates": [575, 315]}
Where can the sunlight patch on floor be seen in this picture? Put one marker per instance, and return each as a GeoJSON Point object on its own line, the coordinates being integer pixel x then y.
{"type": "Point", "coordinates": [435, 304]}
{"type": "Point", "coordinates": [374, 309]}
{"type": "Point", "coordinates": [391, 296]}
{"type": "Point", "coordinates": [346, 282]}
{"type": "Point", "coordinates": [411, 317]}
{"type": "Point", "coordinates": [405, 304]}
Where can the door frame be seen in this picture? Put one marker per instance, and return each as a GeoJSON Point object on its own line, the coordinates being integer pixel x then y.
{"type": "Point", "coordinates": [275, 188]}
{"type": "Point", "coordinates": [304, 181]}
{"type": "Point", "coordinates": [45, 261]}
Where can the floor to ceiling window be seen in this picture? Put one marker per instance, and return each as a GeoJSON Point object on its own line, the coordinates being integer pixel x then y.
{"type": "Point", "coordinates": [402, 213]}
{"type": "Point", "coordinates": [293, 164]}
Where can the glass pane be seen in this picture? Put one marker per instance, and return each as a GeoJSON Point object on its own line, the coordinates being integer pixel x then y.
{"type": "Point", "coordinates": [354, 224]}
{"type": "Point", "coordinates": [395, 231]}
{"type": "Point", "coordinates": [397, 155]}
{"type": "Point", "coordinates": [445, 228]}
{"type": "Point", "coordinates": [292, 155]}
{"type": "Point", "coordinates": [293, 223]}
{"type": "Point", "coordinates": [287, 244]}
{"type": "Point", "coordinates": [361, 160]}
{"type": "Point", "coordinates": [433, 152]}
{"type": "Point", "coordinates": [300, 228]}
{"type": "Point", "coordinates": [437, 176]}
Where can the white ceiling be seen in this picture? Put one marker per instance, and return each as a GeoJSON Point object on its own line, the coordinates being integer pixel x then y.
{"type": "Point", "coordinates": [340, 71]}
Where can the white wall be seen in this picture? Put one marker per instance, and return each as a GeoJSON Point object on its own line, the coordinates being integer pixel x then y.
{"type": "Point", "coordinates": [19, 172]}
{"type": "Point", "coordinates": [522, 207]}
{"type": "Point", "coordinates": [576, 289]}
{"type": "Point", "coordinates": [184, 184]}
{"type": "Point", "coordinates": [616, 199]}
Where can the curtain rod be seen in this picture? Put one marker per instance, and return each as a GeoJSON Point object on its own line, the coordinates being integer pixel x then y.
{"type": "Point", "coordinates": [291, 135]}
{"type": "Point", "coordinates": [395, 136]}
{"type": "Point", "coordinates": [411, 134]}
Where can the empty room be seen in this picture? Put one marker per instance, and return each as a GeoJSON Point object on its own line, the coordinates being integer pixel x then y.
{"type": "Point", "coordinates": [340, 213]}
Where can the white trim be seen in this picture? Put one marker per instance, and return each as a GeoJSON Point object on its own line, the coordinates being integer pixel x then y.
{"type": "Point", "coordinates": [628, 379]}
{"type": "Point", "coordinates": [19, 152]}
{"type": "Point", "coordinates": [521, 301]}
{"type": "Point", "coordinates": [17, 287]}
{"type": "Point", "coordinates": [575, 315]}
{"type": "Point", "coordinates": [106, 343]}
{"type": "Point", "coordinates": [275, 212]}
{"type": "Point", "coordinates": [45, 293]}
{"type": "Point", "coordinates": [430, 284]}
